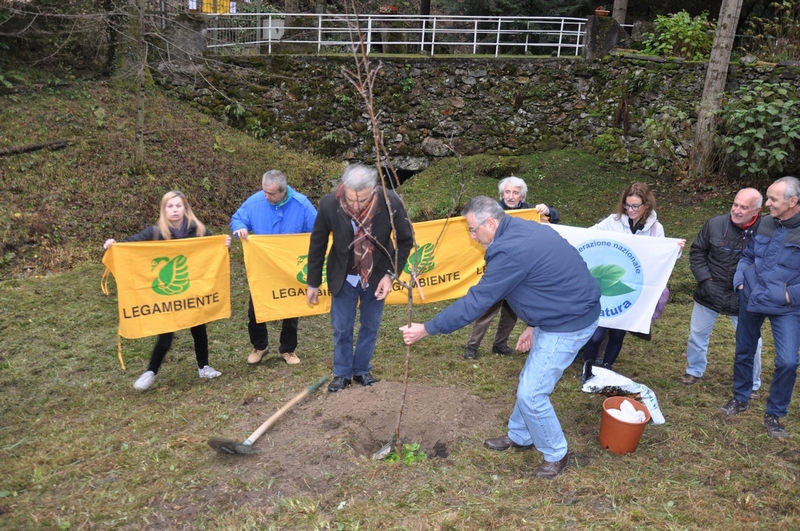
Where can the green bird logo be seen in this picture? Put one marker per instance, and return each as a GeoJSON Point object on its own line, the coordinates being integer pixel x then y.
{"type": "Point", "coordinates": [173, 277]}
{"type": "Point", "coordinates": [608, 276]}
{"type": "Point", "coordinates": [422, 258]}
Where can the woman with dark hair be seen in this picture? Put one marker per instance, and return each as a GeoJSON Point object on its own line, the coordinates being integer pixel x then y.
{"type": "Point", "coordinates": [176, 220]}
{"type": "Point", "coordinates": [635, 214]}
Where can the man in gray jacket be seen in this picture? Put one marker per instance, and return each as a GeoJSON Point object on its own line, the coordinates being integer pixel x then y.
{"type": "Point", "coordinates": [713, 258]}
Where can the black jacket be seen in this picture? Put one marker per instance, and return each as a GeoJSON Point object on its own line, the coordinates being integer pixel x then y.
{"type": "Point", "coordinates": [713, 257]}
{"type": "Point", "coordinates": [332, 220]}
{"type": "Point", "coordinates": [151, 233]}
{"type": "Point", "coordinates": [554, 216]}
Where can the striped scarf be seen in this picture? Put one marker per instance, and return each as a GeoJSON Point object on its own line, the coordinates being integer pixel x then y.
{"type": "Point", "coordinates": [362, 241]}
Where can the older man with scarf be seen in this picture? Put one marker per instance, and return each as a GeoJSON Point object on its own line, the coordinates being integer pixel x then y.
{"type": "Point", "coordinates": [361, 216]}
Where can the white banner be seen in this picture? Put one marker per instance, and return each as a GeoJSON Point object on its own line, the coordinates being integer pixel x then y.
{"type": "Point", "coordinates": [632, 272]}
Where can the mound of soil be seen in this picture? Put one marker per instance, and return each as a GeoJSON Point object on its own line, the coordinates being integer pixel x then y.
{"type": "Point", "coordinates": [327, 436]}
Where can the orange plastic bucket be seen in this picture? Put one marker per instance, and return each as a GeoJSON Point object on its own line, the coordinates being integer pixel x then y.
{"type": "Point", "coordinates": [619, 436]}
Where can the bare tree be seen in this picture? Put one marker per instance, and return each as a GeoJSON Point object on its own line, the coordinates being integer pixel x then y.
{"type": "Point", "coordinates": [716, 75]}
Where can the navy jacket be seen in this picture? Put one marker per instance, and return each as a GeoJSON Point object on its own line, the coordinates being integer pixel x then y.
{"type": "Point", "coordinates": [770, 267]}
{"type": "Point", "coordinates": [539, 273]}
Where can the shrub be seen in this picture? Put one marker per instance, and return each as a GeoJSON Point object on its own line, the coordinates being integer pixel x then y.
{"type": "Point", "coordinates": [679, 35]}
{"type": "Point", "coordinates": [763, 123]}
{"type": "Point", "coordinates": [776, 37]}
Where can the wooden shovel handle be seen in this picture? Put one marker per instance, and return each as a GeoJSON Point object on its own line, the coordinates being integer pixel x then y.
{"type": "Point", "coordinates": [278, 414]}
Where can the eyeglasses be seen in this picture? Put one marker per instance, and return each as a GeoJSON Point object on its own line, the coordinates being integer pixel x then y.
{"type": "Point", "coordinates": [472, 230]}
{"type": "Point", "coordinates": [632, 207]}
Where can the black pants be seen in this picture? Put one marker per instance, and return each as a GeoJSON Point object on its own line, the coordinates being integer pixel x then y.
{"type": "Point", "coordinates": [165, 342]}
{"type": "Point", "coordinates": [258, 332]}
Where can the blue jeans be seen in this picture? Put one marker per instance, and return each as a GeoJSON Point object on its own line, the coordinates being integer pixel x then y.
{"type": "Point", "coordinates": [786, 334]}
{"type": "Point", "coordinates": [703, 321]}
{"type": "Point", "coordinates": [346, 362]}
{"type": "Point", "coordinates": [534, 420]}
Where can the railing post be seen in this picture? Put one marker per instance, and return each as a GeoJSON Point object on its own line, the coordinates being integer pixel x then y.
{"type": "Point", "coordinates": [497, 43]}
{"type": "Point", "coordinates": [319, 33]}
{"type": "Point", "coordinates": [475, 38]}
{"type": "Point", "coordinates": [433, 35]}
{"type": "Point", "coordinates": [560, 37]}
{"type": "Point", "coordinates": [369, 34]}
{"type": "Point", "coordinates": [422, 36]}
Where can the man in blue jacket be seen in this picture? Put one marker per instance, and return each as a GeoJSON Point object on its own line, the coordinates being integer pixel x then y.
{"type": "Point", "coordinates": [768, 281]}
{"type": "Point", "coordinates": [278, 209]}
{"type": "Point", "coordinates": [548, 285]}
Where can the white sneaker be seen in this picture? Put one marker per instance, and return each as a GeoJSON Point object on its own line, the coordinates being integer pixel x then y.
{"type": "Point", "coordinates": [209, 372]}
{"type": "Point", "coordinates": [145, 381]}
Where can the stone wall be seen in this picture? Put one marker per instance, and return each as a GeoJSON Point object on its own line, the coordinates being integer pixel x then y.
{"type": "Point", "coordinates": [499, 106]}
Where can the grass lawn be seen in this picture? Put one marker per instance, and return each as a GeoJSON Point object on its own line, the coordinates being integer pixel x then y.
{"type": "Point", "coordinates": [81, 449]}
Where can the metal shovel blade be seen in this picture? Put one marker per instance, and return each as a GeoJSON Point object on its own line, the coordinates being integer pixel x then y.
{"type": "Point", "coordinates": [225, 446]}
{"type": "Point", "coordinates": [385, 450]}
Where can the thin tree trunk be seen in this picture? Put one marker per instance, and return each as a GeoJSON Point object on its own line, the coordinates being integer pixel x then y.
{"type": "Point", "coordinates": [716, 75]}
{"type": "Point", "coordinates": [620, 11]}
{"type": "Point", "coordinates": [138, 160]}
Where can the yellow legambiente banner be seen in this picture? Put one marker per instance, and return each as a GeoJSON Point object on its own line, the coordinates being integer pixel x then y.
{"type": "Point", "coordinates": [164, 286]}
{"type": "Point", "coordinates": [277, 268]}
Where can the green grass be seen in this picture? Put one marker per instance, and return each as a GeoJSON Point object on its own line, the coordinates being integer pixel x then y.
{"type": "Point", "coordinates": [80, 449]}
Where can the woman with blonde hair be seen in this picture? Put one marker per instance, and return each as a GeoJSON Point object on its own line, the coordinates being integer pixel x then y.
{"type": "Point", "coordinates": [635, 214]}
{"type": "Point", "coordinates": [175, 221]}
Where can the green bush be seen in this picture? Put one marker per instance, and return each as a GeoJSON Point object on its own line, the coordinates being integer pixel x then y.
{"type": "Point", "coordinates": [664, 135]}
{"type": "Point", "coordinates": [763, 121]}
{"type": "Point", "coordinates": [776, 37]}
{"type": "Point", "coordinates": [679, 35]}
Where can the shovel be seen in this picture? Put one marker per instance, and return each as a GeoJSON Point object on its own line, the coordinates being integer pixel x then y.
{"type": "Point", "coordinates": [225, 446]}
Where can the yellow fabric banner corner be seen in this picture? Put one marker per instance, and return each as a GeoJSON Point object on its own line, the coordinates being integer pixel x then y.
{"type": "Point", "coordinates": [165, 286]}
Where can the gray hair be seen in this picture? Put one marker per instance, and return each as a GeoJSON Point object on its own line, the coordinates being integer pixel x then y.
{"type": "Point", "coordinates": [483, 208]}
{"type": "Point", "coordinates": [792, 186]}
{"type": "Point", "coordinates": [357, 177]}
{"type": "Point", "coordinates": [275, 177]}
{"type": "Point", "coordinates": [515, 182]}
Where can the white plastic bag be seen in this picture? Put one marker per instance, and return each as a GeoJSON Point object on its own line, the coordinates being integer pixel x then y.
{"type": "Point", "coordinates": [609, 383]}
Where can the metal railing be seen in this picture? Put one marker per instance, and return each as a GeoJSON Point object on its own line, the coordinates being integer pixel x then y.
{"type": "Point", "coordinates": [398, 33]}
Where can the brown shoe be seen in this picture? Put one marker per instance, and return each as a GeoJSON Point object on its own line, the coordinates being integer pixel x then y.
{"type": "Point", "coordinates": [290, 358]}
{"type": "Point", "coordinates": [549, 470]}
{"type": "Point", "coordinates": [689, 379]}
{"type": "Point", "coordinates": [504, 443]}
{"type": "Point", "coordinates": [255, 357]}
{"type": "Point", "coordinates": [754, 395]}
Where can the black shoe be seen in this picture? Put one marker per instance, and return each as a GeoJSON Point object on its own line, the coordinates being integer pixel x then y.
{"type": "Point", "coordinates": [470, 353]}
{"type": "Point", "coordinates": [586, 372]}
{"type": "Point", "coordinates": [503, 350]}
{"type": "Point", "coordinates": [365, 379]}
{"type": "Point", "coordinates": [774, 428]}
{"type": "Point", "coordinates": [733, 407]}
{"type": "Point", "coordinates": [338, 383]}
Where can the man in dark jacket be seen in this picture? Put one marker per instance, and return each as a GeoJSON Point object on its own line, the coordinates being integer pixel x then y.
{"type": "Point", "coordinates": [768, 281]}
{"type": "Point", "coordinates": [513, 191]}
{"type": "Point", "coordinates": [548, 285]}
{"type": "Point", "coordinates": [361, 216]}
{"type": "Point", "coordinates": [713, 257]}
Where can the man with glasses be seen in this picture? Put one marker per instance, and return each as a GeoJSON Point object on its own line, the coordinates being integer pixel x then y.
{"type": "Point", "coordinates": [767, 280]}
{"type": "Point", "coordinates": [362, 218]}
{"type": "Point", "coordinates": [548, 285]}
{"type": "Point", "coordinates": [278, 209]}
{"type": "Point", "coordinates": [513, 191]}
{"type": "Point", "coordinates": [713, 257]}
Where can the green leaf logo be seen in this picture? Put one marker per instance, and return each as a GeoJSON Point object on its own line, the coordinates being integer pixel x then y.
{"type": "Point", "coordinates": [173, 277]}
{"type": "Point", "coordinates": [302, 275]}
{"type": "Point", "coordinates": [422, 258]}
{"type": "Point", "coordinates": [608, 276]}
